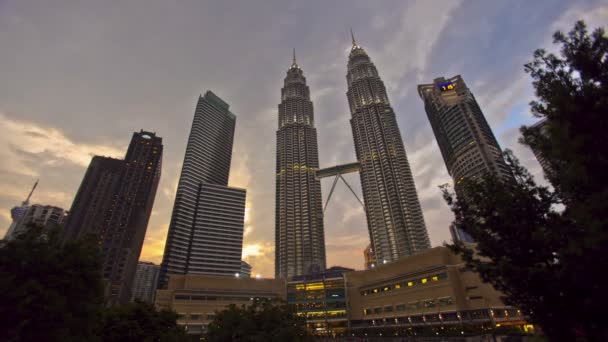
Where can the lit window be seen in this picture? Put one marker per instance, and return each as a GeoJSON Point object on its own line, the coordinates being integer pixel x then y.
{"type": "Point", "coordinates": [398, 286]}
{"type": "Point", "coordinates": [435, 278]}
{"type": "Point", "coordinates": [410, 283]}
{"type": "Point", "coordinates": [424, 280]}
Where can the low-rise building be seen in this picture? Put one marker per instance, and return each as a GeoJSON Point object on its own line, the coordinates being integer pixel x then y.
{"type": "Point", "coordinates": [196, 297]}
{"type": "Point", "coordinates": [430, 290]}
{"type": "Point", "coordinates": [321, 299]}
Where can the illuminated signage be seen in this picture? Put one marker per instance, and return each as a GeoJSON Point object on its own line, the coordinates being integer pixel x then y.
{"type": "Point", "coordinates": [446, 86]}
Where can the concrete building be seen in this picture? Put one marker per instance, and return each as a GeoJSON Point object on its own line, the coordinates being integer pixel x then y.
{"type": "Point", "coordinates": [206, 230]}
{"type": "Point", "coordinates": [299, 235]}
{"type": "Point", "coordinates": [145, 282]}
{"type": "Point", "coordinates": [114, 203]}
{"type": "Point", "coordinates": [463, 134]}
{"type": "Point", "coordinates": [395, 222]}
{"type": "Point", "coordinates": [46, 216]}
{"type": "Point", "coordinates": [245, 270]}
{"type": "Point", "coordinates": [427, 293]}
{"type": "Point", "coordinates": [369, 257]}
{"type": "Point", "coordinates": [197, 297]}
{"type": "Point", "coordinates": [17, 212]}
{"type": "Point", "coordinates": [542, 160]}
{"type": "Point", "coordinates": [430, 290]}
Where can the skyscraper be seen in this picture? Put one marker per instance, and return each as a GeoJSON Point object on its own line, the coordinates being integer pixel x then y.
{"type": "Point", "coordinates": [542, 160]}
{"type": "Point", "coordinates": [206, 230]}
{"type": "Point", "coordinates": [394, 217]}
{"type": "Point", "coordinates": [114, 203]}
{"type": "Point", "coordinates": [465, 139]}
{"type": "Point", "coordinates": [145, 281]}
{"type": "Point", "coordinates": [45, 216]}
{"type": "Point", "coordinates": [299, 236]}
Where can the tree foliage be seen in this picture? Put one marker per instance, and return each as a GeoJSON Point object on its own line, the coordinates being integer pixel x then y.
{"type": "Point", "coordinates": [262, 321]}
{"type": "Point", "coordinates": [141, 322]}
{"type": "Point", "coordinates": [49, 292]}
{"type": "Point", "coordinates": [547, 249]}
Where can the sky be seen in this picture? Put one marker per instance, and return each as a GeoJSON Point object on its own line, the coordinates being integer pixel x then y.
{"type": "Point", "coordinates": [77, 78]}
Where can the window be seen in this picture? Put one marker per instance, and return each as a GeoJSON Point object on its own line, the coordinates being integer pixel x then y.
{"type": "Point", "coordinates": [195, 316]}
{"type": "Point", "coordinates": [377, 311]}
{"type": "Point", "coordinates": [210, 316]}
{"type": "Point", "coordinates": [413, 305]}
{"type": "Point", "coordinates": [429, 303]}
{"type": "Point", "coordinates": [424, 280]}
{"type": "Point", "coordinates": [366, 312]}
{"type": "Point", "coordinates": [445, 301]}
{"type": "Point", "coordinates": [388, 309]}
{"type": "Point", "coordinates": [400, 307]}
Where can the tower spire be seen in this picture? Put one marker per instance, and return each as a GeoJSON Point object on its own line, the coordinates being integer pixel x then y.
{"type": "Point", "coordinates": [353, 37]}
{"type": "Point", "coordinates": [294, 63]}
{"type": "Point", "coordinates": [27, 200]}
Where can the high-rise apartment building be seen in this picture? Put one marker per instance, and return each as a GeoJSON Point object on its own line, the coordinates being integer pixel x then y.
{"type": "Point", "coordinates": [463, 134]}
{"type": "Point", "coordinates": [45, 216]}
{"type": "Point", "coordinates": [542, 160]}
{"type": "Point", "coordinates": [206, 230]}
{"type": "Point", "coordinates": [114, 203]}
{"type": "Point", "coordinates": [299, 236]}
{"type": "Point", "coordinates": [394, 217]}
{"type": "Point", "coordinates": [145, 281]}
{"type": "Point", "coordinates": [369, 257]}
{"type": "Point", "coordinates": [17, 213]}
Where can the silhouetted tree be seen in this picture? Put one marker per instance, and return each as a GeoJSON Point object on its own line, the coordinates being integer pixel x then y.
{"type": "Point", "coordinates": [141, 322]}
{"type": "Point", "coordinates": [49, 292]}
{"type": "Point", "coordinates": [547, 250]}
{"type": "Point", "coordinates": [261, 321]}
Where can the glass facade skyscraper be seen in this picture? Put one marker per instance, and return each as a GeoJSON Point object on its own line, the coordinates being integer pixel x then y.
{"type": "Point", "coordinates": [394, 216]}
{"type": "Point", "coordinates": [206, 230]}
{"type": "Point", "coordinates": [463, 134]}
{"type": "Point", "coordinates": [299, 235]}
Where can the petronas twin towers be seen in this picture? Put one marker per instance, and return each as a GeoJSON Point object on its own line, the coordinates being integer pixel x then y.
{"type": "Point", "coordinates": [395, 222]}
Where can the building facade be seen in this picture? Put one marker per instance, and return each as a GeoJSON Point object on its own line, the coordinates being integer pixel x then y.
{"type": "Point", "coordinates": [321, 299]}
{"type": "Point", "coordinates": [542, 160]}
{"type": "Point", "coordinates": [114, 203]}
{"type": "Point", "coordinates": [145, 281]}
{"type": "Point", "coordinates": [206, 230]}
{"type": "Point", "coordinates": [17, 213]}
{"type": "Point", "coordinates": [245, 270]}
{"type": "Point", "coordinates": [299, 234]}
{"type": "Point", "coordinates": [429, 293]}
{"type": "Point", "coordinates": [369, 257]}
{"type": "Point", "coordinates": [394, 217]}
{"type": "Point", "coordinates": [45, 216]}
{"type": "Point", "coordinates": [463, 134]}
{"type": "Point", "coordinates": [197, 297]}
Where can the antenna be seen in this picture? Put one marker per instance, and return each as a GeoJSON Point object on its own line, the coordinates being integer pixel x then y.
{"type": "Point", "coordinates": [27, 200]}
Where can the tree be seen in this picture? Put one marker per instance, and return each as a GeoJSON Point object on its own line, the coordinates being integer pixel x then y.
{"type": "Point", "coordinates": [141, 322]}
{"type": "Point", "coordinates": [261, 321]}
{"type": "Point", "coordinates": [547, 250]}
{"type": "Point", "coordinates": [49, 292]}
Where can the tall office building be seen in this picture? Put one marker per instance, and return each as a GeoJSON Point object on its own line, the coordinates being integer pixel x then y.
{"type": "Point", "coordinates": [465, 139]}
{"type": "Point", "coordinates": [145, 281]}
{"type": "Point", "coordinates": [114, 203]}
{"type": "Point", "coordinates": [369, 257]}
{"type": "Point", "coordinates": [299, 236]}
{"type": "Point", "coordinates": [206, 230]}
{"type": "Point", "coordinates": [394, 217]}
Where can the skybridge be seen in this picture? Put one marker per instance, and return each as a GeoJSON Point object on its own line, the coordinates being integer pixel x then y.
{"type": "Point", "coordinates": [337, 171]}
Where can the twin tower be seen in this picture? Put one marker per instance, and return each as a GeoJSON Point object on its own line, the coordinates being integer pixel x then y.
{"type": "Point", "coordinates": [394, 217]}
